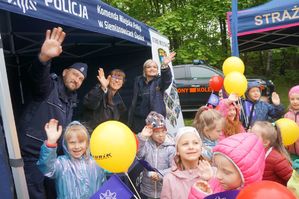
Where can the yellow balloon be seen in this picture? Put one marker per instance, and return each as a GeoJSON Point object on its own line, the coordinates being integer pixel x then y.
{"type": "Point", "coordinates": [289, 131]}
{"type": "Point", "coordinates": [113, 146]}
{"type": "Point", "coordinates": [233, 64]}
{"type": "Point", "coordinates": [236, 83]}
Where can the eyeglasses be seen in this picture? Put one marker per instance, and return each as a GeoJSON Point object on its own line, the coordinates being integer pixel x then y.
{"type": "Point", "coordinates": [115, 77]}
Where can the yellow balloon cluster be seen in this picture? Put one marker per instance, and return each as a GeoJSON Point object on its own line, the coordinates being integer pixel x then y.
{"type": "Point", "coordinates": [234, 82]}
{"type": "Point", "coordinates": [233, 64]}
{"type": "Point", "coordinates": [113, 146]}
{"type": "Point", "coordinates": [289, 131]}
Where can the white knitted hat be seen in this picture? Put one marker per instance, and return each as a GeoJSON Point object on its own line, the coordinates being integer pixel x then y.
{"type": "Point", "coordinates": [184, 130]}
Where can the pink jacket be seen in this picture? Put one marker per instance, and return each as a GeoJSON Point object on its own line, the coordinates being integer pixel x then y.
{"type": "Point", "coordinates": [177, 184]}
{"type": "Point", "coordinates": [246, 152]}
{"type": "Point", "coordinates": [294, 148]}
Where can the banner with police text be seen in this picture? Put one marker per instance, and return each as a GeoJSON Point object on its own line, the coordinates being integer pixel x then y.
{"type": "Point", "coordinates": [91, 15]}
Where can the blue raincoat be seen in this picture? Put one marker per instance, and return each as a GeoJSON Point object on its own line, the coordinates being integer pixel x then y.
{"type": "Point", "coordinates": [74, 178]}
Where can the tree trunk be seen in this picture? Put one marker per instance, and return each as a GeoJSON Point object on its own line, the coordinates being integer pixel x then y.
{"type": "Point", "coordinates": [269, 62]}
{"type": "Point", "coordinates": [222, 24]}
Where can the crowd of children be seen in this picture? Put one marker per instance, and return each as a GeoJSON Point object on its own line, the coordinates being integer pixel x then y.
{"type": "Point", "coordinates": [217, 154]}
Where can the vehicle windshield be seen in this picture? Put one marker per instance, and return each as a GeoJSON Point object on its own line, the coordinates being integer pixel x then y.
{"type": "Point", "coordinates": [199, 72]}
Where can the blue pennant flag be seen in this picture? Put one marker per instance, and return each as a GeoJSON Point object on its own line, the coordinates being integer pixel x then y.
{"type": "Point", "coordinates": [148, 167]}
{"type": "Point", "coordinates": [113, 188]}
{"type": "Point", "coordinates": [213, 100]}
{"type": "Point", "coordinates": [232, 194]}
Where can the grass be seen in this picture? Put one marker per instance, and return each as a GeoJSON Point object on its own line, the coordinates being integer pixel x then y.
{"type": "Point", "coordinates": [281, 88]}
{"type": "Point", "coordinates": [283, 91]}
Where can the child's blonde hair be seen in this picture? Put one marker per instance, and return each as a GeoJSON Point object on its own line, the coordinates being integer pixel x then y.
{"type": "Point", "coordinates": [269, 132]}
{"type": "Point", "coordinates": [80, 131]}
{"type": "Point", "coordinates": [206, 118]}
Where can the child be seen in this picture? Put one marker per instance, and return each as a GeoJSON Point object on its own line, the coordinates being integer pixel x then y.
{"type": "Point", "coordinates": [278, 165]}
{"type": "Point", "coordinates": [231, 112]}
{"type": "Point", "coordinates": [293, 183]}
{"type": "Point", "coordinates": [240, 160]}
{"type": "Point", "coordinates": [76, 173]}
{"type": "Point", "coordinates": [158, 150]}
{"type": "Point", "coordinates": [189, 166]}
{"type": "Point", "coordinates": [293, 114]}
{"type": "Point", "coordinates": [209, 123]}
{"type": "Point", "coordinates": [255, 109]}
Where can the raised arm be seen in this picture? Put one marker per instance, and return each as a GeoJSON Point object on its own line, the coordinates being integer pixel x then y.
{"type": "Point", "coordinates": [52, 45]}
{"type": "Point", "coordinates": [47, 162]}
{"type": "Point", "coordinates": [166, 76]}
{"type": "Point", "coordinates": [93, 98]}
{"type": "Point", "coordinates": [40, 70]}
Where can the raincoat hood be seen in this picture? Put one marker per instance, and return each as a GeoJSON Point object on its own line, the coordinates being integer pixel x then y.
{"type": "Point", "coordinates": [247, 153]}
{"type": "Point", "coordinates": [64, 142]}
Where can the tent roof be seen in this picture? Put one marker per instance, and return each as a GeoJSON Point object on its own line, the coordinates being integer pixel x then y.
{"type": "Point", "coordinates": [272, 25]}
{"type": "Point", "coordinates": [93, 28]}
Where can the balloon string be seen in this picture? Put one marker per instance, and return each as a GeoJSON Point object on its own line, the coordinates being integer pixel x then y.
{"type": "Point", "coordinates": [243, 111]}
{"type": "Point", "coordinates": [133, 185]}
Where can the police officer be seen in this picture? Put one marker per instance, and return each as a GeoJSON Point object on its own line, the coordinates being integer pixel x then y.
{"type": "Point", "coordinates": [52, 97]}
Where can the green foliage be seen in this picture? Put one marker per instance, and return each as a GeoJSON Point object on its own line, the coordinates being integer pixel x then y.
{"type": "Point", "coordinates": [197, 30]}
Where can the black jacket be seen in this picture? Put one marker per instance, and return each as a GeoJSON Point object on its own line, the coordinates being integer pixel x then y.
{"type": "Point", "coordinates": [97, 109]}
{"type": "Point", "coordinates": [50, 99]}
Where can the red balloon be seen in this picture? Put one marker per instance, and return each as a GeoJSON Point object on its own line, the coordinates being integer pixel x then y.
{"type": "Point", "coordinates": [216, 82]}
{"type": "Point", "coordinates": [265, 189]}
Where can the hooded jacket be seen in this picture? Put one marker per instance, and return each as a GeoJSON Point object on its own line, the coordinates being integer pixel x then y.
{"type": "Point", "coordinates": [294, 148]}
{"type": "Point", "coordinates": [159, 157]}
{"type": "Point", "coordinates": [246, 152]}
{"type": "Point", "coordinates": [74, 178]}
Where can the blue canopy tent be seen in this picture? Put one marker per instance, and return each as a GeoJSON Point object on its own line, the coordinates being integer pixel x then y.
{"type": "Point", "coordinates": [274, 24]}
{"type": "Point", "coordinates": [96, 33]}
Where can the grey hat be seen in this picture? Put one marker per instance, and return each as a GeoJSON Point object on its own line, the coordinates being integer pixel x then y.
{"type": "Point", "coordinates": [82, 67]}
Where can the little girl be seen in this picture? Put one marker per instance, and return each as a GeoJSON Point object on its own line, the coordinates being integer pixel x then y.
{"type": "Point", "coordinates": [278, 166]}
{"type": "Point", "coordinates": [240, 161]}
{"type": "Point", "coordinates": [189, 166]}
{"type": "Point", "coordinates": [209, 123]}
{"type": "Point", "coordinates": [158, 149]}
{"type": "Point", "coordinates": [293, 114]}
{"type": "Point", "coordinates": [231, 112]}
{"type": "Point", "coordinates": [76, 173]}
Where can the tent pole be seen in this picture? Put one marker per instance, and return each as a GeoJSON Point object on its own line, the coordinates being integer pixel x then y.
{"type": "Point", "coordinates": [234, 28]}
{"type": "Point", "coordinates": [10, 131]}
